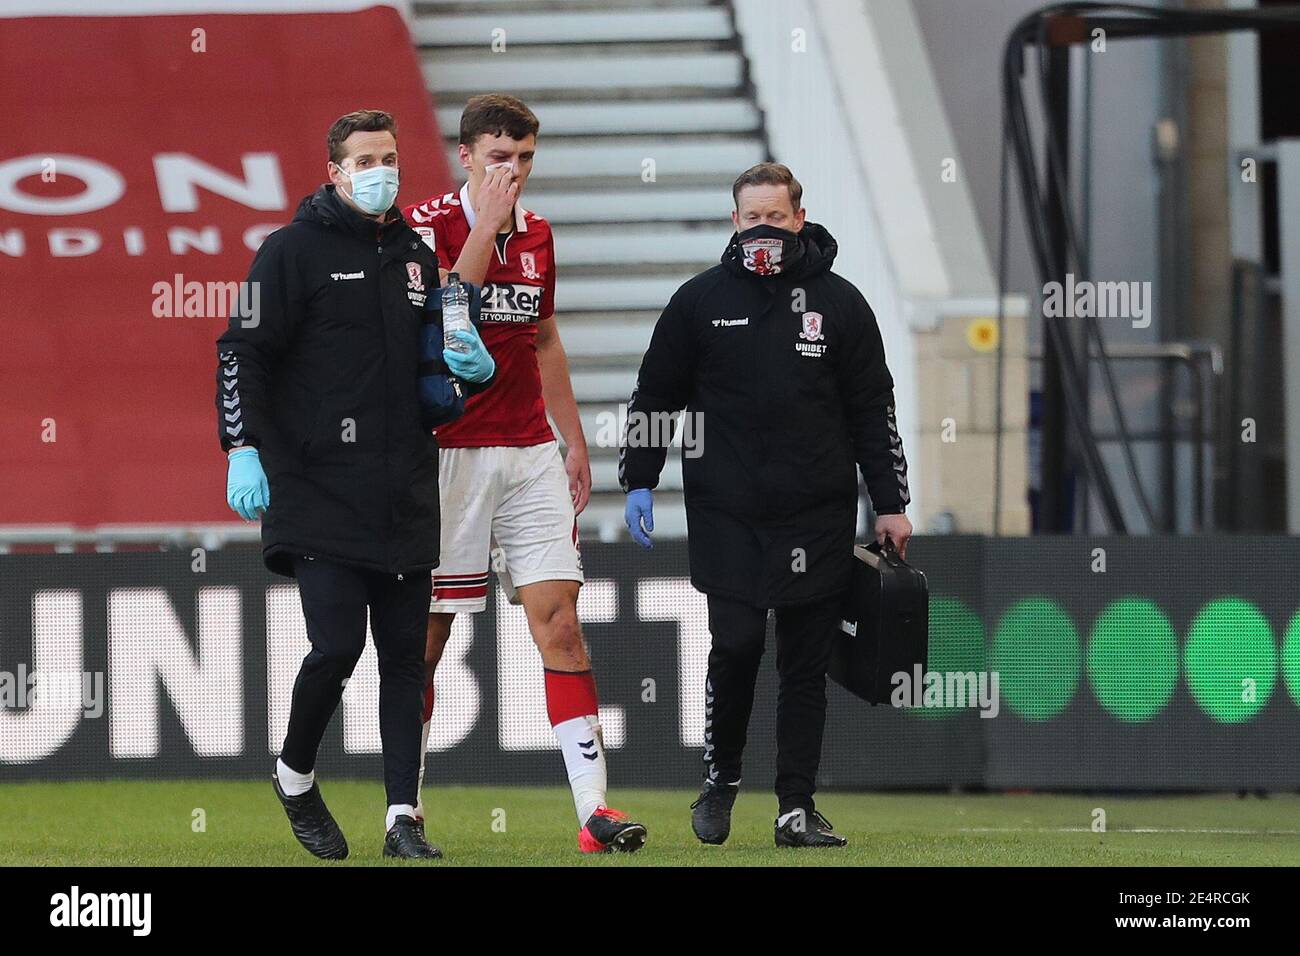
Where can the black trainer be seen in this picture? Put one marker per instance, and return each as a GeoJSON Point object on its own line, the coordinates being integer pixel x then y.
{"type": "Point", "coordinates": [312, 823]}
{"type": "Point", "coordinates": [405, 839]}
{"type": "Point", "coordinates": [711, 812]}
{"type": "Point", "coordinates": [800, 831]}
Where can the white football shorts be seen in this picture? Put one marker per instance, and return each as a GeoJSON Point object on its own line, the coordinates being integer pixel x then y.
{"type": "Point", "coordinates": [508, 508]}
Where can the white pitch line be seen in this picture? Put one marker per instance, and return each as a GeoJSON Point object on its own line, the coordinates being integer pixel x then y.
{"type": "Point", "coordinates": [1129, 830]}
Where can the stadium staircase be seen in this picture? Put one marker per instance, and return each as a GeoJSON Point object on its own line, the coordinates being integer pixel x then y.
{"type": "Point", "coordinates": [617, 85]}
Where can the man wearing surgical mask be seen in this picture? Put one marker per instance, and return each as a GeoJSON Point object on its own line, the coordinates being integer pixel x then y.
{"type": "Point", "coordinates": [780, 363]}
{"type": "Point", "coordinates": [319, 412]}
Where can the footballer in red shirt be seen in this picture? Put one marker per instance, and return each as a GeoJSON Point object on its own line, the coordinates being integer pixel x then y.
{"type": "Point", "coordinates": [507, 493]}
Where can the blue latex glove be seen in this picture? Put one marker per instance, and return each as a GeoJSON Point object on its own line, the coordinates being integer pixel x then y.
{"type": "Point", "coordinates": [246, 489]}
{"type": "Point", "coordinates": [639, 514]}
{"type": "Point", "coordinates": [474, 366]}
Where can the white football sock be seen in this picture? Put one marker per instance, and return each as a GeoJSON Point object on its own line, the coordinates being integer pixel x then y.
{"type": "Point", "coordinates": [584, 758]}
{"type": "Point", "coordinates": [419, 786]}
{"type": "Point", "coordinates": [395, 811]}
{"type": "Point", "coordinates": [292, 782]}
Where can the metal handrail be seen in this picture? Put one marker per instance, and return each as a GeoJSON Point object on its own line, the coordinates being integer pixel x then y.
{"type": "Point", "coordinates": [1192, 354]}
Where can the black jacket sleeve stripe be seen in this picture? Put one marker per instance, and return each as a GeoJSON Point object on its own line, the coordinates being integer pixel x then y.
{"type": "Point", "coordinates": [232, 416]}
{"type": "Point", "coordinates": [251, 345]}
{"type": "Point", "coordinates": [873, 426]}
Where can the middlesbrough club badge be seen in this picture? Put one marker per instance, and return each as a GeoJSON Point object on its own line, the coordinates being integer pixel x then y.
{"type": "Point", "coordinates": [762, 256]}
{"type": "Point", "coordinates": [812, 327]}
{"type": "Point", "coordinates": [415, 278]}
{"type": "Point", "coordinates": [528, 262]}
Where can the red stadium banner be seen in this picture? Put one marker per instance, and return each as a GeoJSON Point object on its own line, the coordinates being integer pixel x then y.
{"type": "Point", "coordinates": [143, 161]}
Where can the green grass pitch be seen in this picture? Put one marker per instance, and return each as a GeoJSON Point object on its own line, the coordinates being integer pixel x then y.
{"type": "Point", "coordinates": [153, 824]}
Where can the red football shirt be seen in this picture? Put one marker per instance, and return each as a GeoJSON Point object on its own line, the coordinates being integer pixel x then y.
{"type": "Point", "coordinates": [518, 291]}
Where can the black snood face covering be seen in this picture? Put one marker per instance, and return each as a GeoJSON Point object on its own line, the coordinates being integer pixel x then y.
{"type": "Point", "coordinates": [768, 251]}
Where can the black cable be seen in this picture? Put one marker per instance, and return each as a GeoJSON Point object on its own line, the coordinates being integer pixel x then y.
{"type": "Point", "coordinates": [1092, 328]}
{"type": "Point", "coordinates": [1017, 130]}
{"type": "Point", "coordinates": [1003, 263]}
{"type": "Point", "coordinates": [1017, 143]}
{"type": "Point", "coordinates": [1064, 346]}
{"type": "Point", "coordinates": [1086, 157]}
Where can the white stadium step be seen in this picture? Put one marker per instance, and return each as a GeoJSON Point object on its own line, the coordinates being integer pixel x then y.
{"type": "Point", "coordinates": [626, 157]}
{"type": "Point", "coordinates": [604, 473]}
{"type": "Point", "coordinates": [602, 519]}
{"type": "Point", "coordinates": [598, 422]}
{"type": "Point", "coordinates": [603, 293]}
{"type": "Point", "coordinates": [603, 425]}
{"type": "Point", "coordinates": [527, 72]}
{"type": "Point", "coordinates": [616, 245]}
{"type": "Point", "coordinates": [441, 8]}
{"type": "Point", "coordinates": [614, 83]}
{"type": "Point", "coordinates": [631, 117]}
{"type": "Point", "coordinates": [556, 26]}
{"type": "Point", "coordinates": [603, 336]}
{"type": "Point", "coordinates": [639, 203]}
{"type": "Point", "coordinates": [603, 385]}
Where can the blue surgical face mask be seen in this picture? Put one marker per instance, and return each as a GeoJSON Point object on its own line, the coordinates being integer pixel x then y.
{"type": "Point", "coordinates": [374, 189]}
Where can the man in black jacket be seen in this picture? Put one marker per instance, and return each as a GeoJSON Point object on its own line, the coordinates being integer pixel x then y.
{"type": "Point", "coordinates": [780, 366]}
{"type": "Point", "coordinates": [319, 410]}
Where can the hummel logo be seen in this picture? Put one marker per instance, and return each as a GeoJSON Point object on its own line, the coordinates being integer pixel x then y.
{"type": "Point", "coordinates": [336, 276]}
{"type": "Point", "coordinates": [589, 745]}
{"type": "Point", "coordinates": [728, 323]}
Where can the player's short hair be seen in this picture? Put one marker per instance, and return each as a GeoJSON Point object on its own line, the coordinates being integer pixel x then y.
{"type": "Point", "coordinates": [365, 121]}
{"type": "Point", "coordinates": [494, 114]}
{"type": "Point", "coordinates": [768, 174]}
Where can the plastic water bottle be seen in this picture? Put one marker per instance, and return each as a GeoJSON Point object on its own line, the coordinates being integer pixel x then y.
{"type": "Point", "coordinates": [455, 313]}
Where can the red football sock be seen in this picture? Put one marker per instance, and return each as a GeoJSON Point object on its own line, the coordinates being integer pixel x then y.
{"type": "Point", "coordinates": [570, 694]}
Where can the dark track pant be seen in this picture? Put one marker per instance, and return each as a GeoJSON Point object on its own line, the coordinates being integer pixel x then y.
{"type": "Point", "coordinates": [335, 598]}
{"type": "Point", "coordinates": [804, 635]}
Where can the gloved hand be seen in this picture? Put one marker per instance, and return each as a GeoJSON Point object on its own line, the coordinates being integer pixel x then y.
{"type": "Point", "coordinates": [476, 365]}
{"type": "Point", "coordinates": [246, 489]}
{"type": "Point", "coordinates": [639, 514]}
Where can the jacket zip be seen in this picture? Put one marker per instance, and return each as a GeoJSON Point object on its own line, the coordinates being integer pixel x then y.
{"type": "Point", "coordinates": [388, 464]}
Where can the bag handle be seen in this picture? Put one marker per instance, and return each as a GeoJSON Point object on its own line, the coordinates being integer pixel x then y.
{"type": "Point", "coordinates": [888, 552]}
